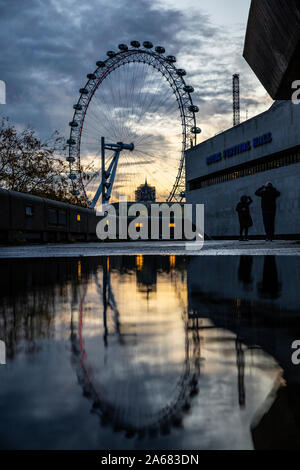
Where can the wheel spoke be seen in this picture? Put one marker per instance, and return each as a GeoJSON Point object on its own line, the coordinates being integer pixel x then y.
{"type": "Point", "coordinates": [139, 100]}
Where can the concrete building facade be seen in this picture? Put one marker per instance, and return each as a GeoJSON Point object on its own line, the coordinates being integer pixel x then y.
{"type": "Point", "coordinates": [272, 45]}
{"type": "Point", "coordinates": [239, 161]}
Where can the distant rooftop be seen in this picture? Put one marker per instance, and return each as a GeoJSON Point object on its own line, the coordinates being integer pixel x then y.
{"type": "Point", "coordinates": [274, 106]}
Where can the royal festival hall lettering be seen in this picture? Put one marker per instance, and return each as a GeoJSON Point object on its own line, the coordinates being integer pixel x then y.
{"type": "Point", "coordinates": [241, 148]}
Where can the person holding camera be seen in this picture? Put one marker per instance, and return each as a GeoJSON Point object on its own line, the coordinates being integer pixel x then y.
{"type": "Point", "coordinates": [245, 219]}
{"type": "Point", "coordinates": [268, 195]}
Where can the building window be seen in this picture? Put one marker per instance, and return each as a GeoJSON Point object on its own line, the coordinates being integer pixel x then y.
{"type": "Point", "coordinates": [57, 217]}
{"type": "Point", "coordinates": [29, 211]}
{"type": "Point", "coordinates": [78, 217]}
{"type": "Point", "coordinates": [272, 162]}
{"type": "Point", "coordinates": [52, 216]}
{"type": "Point", "coordinates": [62, 217]}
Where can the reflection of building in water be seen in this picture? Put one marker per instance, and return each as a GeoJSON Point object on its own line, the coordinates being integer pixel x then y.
{"type": "Point", "coordinates": [147, 268]}
{"type": "Point", "coordinates": [29, 291]}
{"type": "Point", "coordinates": [145, 193]}
{"type": "Point", "coordinates": [273, 283]}
{"type": "Point", "coordinates": [266, 319]}
{"type": "Point", "coordinates": [146, 275]}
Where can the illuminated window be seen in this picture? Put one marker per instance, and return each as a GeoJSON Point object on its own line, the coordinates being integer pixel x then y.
{"type": "Point", "coordinates": [78, 217]}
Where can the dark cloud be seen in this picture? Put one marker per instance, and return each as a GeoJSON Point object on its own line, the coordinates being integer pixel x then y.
{"type": "Point", "coordinates": [48, 47]}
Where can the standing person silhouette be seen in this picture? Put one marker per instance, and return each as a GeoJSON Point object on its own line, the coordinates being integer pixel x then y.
{"type": "Point", "coordinates": [245, 219]}
{"type": "Point", "coordinates": [268, 195]}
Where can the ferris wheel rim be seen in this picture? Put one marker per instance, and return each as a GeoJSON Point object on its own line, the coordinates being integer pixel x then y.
{"type": "Point", "coordinates": [102, 405]}
{"type": "Point", "coordinates": [175, 77]}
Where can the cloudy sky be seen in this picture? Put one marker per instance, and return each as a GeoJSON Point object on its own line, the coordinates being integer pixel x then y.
{"type": "Point", "coordinates": [48, 47]}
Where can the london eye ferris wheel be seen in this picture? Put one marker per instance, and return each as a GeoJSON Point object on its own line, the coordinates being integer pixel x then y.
{"type": "Point", "coordinates": [134, 119]}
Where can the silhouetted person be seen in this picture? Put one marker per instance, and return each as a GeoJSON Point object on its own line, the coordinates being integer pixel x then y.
{"type": "Point", "coordinates": [268, 195]}
{"type": "Point", "coordinates": [245, 219]}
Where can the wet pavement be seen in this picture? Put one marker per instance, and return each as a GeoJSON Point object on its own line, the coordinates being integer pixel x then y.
{"type": "Point", "coordinates": [150, 352]}
{"type": "Point", "coordinates": [210, 248]}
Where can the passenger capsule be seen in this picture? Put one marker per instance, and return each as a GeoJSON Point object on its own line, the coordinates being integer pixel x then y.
{"type": "Point", "coordinates": [171, 59]}
{"type": "Point", "coordinates": [181, 72]}
{"type": "Point", "coordinates": [193, 109]}
{"type": "Point", "coordinates": [100, 63]}
{"type": "Point", "coordinates": [84, 91]}
{"type": "Point", "coordinates": [147, 44]}
{"type": "Point", "coordinates": [70, 159]}
{"type": "Point", "coordinates": [76, 192]}
{"type": "Point", "coordinates": [111, 54]}
{"type": "Point", "coordinates": [188, 89]}
{"type": "Point", "coordinates": [135, 44]}
{"type": "Point", "coordinates": [160, 50]}
{"type": "Point", "coordinates": [123, 47]}
{"type": "Point", "coordinates": [91, 76]}
{"type": "Point", "coordinates": [72, 176]}
{"type": "Point", "coordinates": [71, 142]}
{"type": "Point", "coordinates": [73, 124]}
{"type": "Point", "coordinates": [77, 107]}
{"type": "Point", "coordinates": [195, 130]}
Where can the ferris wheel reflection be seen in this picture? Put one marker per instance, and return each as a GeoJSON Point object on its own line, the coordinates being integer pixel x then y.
{"type": "Point", "coordinates": [133, 391]}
